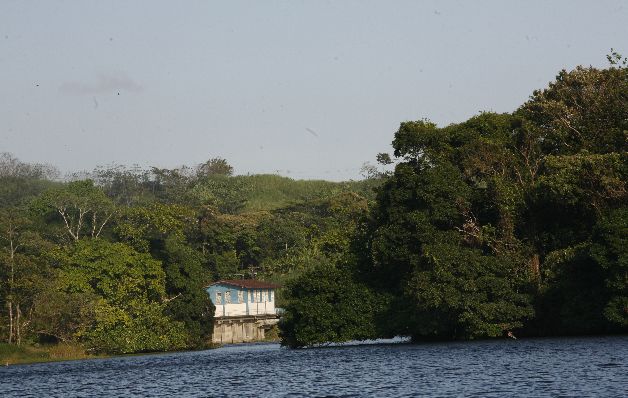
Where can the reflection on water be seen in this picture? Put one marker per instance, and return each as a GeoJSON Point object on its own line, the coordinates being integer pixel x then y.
{"type": "Point", "coordinates": [537, 367]}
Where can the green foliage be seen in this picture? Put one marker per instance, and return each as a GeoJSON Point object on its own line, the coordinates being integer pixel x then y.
{"type": "Point", "coordinates": [23, 270]}
{"type": "Point", "coordinates": [61, 314]}
{"type": "Point", "coordinates": [228, 194]}
{"type": "Point", "coordinates": [412, 206]}
{"type": "Point", "coordinates": [429, 248]}
{"type": "Point", "coordinates": [185, 282]}
{"type": "Point", "coordinates": [572, 294]}
{"type": "Point", "coordinates": [296, 238]}
{"type": "Point", "coordinates": [214, 166]}
{"type": "Point", "coordinates": [139, 327]}
{"type": "Point", "coordinates": [21, 181]}
{"type": "Point", "coordinates": [588, 182]}
{"type": "Point", "coordinates": [477, 214]}
{"type": "Point", "coordinates": [501, 222]}
{"type": "Point", "coordinates": [326, 305]}
{"type": "Point", "coordinates": [170, 186]}
{"type": "Point", "coordinates": [15, 191]}
{"type": "Point", "coordinates": [111, 270]}
{"type": "Point", "coordinates": [158, 237]}
{"type": "Point", "coordinates": [123, 185]}
{"type": "Point", "coordinates": [609, 251]}
{"type": "Point", "coordinates": [80, 207]}
{"type": "Point", "coordinates": [461, 293]}
{"type": "Point", "coordinates": [271, 192]}
{"type": "Point", "coordinates": [416, 140]}
{"type": "Point", "coordinates": [141, 225]}
{"type": "Point", "coordinates": [13, 354]}
{"type": "Point", "coordinates": [586, 283]}
{"type": "Point", "coordinates": [127, 315]}
{"type": "Point", "coordinates": [225, 265]}
{"type": "Point", "coordinates": [279, 233]}
{"type": "Point", "coordinates": [584, 109]}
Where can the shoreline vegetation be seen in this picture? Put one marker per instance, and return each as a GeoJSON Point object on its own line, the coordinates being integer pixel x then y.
{"type": "Point", "coordinates": [512, 224]}
{"type": "Point", "coordinates": [504, 224]}
{"type": "Point", "coordinates": [11, 354]}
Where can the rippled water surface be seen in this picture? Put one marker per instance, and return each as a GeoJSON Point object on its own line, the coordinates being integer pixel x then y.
{"type": "Point", "coordinates": [535, 367]}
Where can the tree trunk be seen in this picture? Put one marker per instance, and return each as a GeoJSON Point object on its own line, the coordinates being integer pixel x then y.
{"type": "Point", "coordinates": [18, 335]}
{"type": "Point", "coordinates": [535, 267]}
{"type": "Point", "coordinates": [12, 322]}
{"type": "Point", "coordinates": [10, 305]}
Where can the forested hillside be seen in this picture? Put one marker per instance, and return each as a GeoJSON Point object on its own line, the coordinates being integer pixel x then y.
{"type": "Point", "coordinates": [116, 259]}
{"type": "Point", "coordinates": [505, 223]}
{"type": "Point", "coordinates": [512, 222]}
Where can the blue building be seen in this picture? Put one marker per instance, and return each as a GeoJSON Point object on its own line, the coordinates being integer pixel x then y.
{"type": "Point", "coordinates": [242, 297]}
{"type": "Point", "coordinates": [245, 309]}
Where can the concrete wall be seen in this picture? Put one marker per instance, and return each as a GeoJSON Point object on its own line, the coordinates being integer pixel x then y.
{"type": "Point", "coordinates": [241, 330]}
{"type": "Point", "coordinates": [267, 307]}
{"type": "Point", "coordinates": [231, 310]}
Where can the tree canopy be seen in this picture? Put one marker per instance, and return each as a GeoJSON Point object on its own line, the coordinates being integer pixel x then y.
{"type": "Point", "coordinates": [503, 223]}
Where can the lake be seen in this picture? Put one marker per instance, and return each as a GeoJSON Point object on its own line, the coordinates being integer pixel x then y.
{"type": "Point", "coordinates": [584, 366]}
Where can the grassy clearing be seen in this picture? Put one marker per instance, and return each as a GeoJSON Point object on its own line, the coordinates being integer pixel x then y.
{"type": "Point", "coordinates": [11, 354]}
{"type": "Point", "coordinates": [270, 192]}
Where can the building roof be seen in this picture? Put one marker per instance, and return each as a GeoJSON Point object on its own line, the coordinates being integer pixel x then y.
{"type": "Point", "coordinates": [247, 283]}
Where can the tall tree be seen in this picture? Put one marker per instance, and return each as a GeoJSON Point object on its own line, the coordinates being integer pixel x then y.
{"type": "Point", "coordinates": [187, 300]}
{"type": "Point", "coordinates": [24, 270]}
{"type": "Point", "coordinates": [83, 208]}
{"type": "Point", "coordinates": [127, 314]}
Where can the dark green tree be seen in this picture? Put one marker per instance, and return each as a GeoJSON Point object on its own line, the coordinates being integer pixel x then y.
{"type": "Point", "coordinates": [188, 301]}
{"type": "Point", "coordinates": [326, 305]}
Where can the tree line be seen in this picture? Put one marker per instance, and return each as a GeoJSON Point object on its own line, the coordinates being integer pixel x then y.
{"type": "Point", "coordinates": [117, 259]}
{"type": "Point", "coordinates": [505, 223]}
{"type": "Point", "coordinates": [513, 222]}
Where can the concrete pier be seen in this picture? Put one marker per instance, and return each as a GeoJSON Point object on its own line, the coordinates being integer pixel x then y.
{"type": "Point", "coordinates": [241, 329]}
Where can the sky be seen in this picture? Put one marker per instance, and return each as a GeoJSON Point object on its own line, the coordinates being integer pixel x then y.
{"type": "Point", "coordinates": [304, 89]}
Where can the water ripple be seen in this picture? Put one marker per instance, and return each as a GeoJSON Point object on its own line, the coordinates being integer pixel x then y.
{"type": "Point", "coordinates": [533, 368]}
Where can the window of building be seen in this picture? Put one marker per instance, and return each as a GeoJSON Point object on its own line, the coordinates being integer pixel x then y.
{"type": "Point", "coordinates": [218, 298]}
{"type": "Point", "coordinates": [257, 296]}
{"type": "Point", "coordinates": [264, 296]}
{"type": "Point", "coordinates": [251, 298]}
{"type": "Point", "coordinates": [228, 297]}
{"type": "Point", "coordinates": [270, 296]}
{"type": "Point", "coordinates": [240, 296]}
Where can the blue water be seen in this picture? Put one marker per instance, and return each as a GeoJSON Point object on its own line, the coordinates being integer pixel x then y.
{"type": "Point", "coordinates": [576, 367]}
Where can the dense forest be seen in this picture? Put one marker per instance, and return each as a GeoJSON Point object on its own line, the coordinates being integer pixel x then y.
{"type": "Point", "coordinates": [116, 260]}
{"type": "Point", "coordinates": [511, 223]}
{"type": "Point", "coordinates": [503, 223]}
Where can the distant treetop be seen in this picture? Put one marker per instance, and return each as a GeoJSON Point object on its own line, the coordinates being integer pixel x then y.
{"type": "Point", "coordinates": [214, 166]}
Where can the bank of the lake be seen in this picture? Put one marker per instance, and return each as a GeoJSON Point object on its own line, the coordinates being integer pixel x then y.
{"type": "Point", "coordinates": [11, 354]}
{"type": "Point", "coordinates": [578, 366]}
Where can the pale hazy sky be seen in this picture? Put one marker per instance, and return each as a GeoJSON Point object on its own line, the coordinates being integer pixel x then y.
{"type": "Point", "coordinates": [308, 89]}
